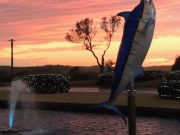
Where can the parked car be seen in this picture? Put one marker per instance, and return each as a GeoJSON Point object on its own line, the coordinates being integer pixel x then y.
{"type": "Point", "coordinates": [170, 87]}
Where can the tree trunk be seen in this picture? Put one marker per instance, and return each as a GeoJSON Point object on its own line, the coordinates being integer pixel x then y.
{"type": "Point", "coordinates": [101, 69]}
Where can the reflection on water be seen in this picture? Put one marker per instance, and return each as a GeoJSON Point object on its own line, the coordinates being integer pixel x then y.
{"type": "Point", "coordinates": [88, 124]}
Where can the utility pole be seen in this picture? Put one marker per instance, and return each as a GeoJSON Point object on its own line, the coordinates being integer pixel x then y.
{"type": "Point", "coordinates": [12, 58]}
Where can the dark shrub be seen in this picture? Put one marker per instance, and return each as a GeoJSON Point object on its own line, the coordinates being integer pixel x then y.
{"type": "Point", "coordinates": [74, 73]}
{"type": "Point", "coordinates": [151, 75]}
{"type": "Point", "coordinates": [47, 83]}
{"type": "Point", "coordinates": [105, 79]}
{"type": "Point", "coordinates": [170, 87]}
{"type": "Point", "coordinates": [5, 75]}
{"type": "Point", "coordinates": [81, 74]}
{"type": "Point", "coordinates": [176, 65]}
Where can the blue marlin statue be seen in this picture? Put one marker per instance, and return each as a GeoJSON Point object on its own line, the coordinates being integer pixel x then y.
{"type": "Point", "coordinates": [136, 40]}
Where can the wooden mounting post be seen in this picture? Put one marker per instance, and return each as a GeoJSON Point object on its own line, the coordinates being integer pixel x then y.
{"type": "Point", "coordinates": [132, 109]}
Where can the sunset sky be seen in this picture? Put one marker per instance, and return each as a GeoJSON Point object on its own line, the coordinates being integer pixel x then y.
{"type": "Point", "coordinates": [39, 28]}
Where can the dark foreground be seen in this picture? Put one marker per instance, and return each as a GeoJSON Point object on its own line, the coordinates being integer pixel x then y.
{"type": "Point", "coordinates": [67, 123]}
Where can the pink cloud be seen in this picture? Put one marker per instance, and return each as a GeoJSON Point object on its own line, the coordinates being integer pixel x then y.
{"type": "Point", "coordinates": [29, 20]}
{"type": "Point", "coordinates": [44, 21]}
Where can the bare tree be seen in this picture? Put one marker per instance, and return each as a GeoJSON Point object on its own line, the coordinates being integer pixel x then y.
{"type": "Point", "coordinates": [85, 31]}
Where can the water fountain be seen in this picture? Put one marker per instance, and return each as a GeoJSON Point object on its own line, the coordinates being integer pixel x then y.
{"type": "Point", "coordinates": [17, 88]}
{"type": "Point", "coordinates": [18, 93]}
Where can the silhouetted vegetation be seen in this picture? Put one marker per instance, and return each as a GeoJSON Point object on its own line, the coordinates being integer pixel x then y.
{"type": "Point", "coordinates": [5, 74]}
{"type": "Point", "coordinates": [176, 65]}
{"type": "Point", "coordinates": [77, 73]}
{"type": "Point", "coordinates": [85, 31]}
{"type": "Point", "coordinates": [151, 75]}
{"type": "Point", "coordinates": [106, 77]}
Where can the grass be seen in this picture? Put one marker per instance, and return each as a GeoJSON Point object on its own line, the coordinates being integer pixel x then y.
{"type": "Point", "coordinates": [93, 83]}
{"type": "Point", "coordinates": [85, 83]}
{"type": "Point", "coordinates": [151, 83]}
{"type": "Point", "coordinates": [142, 99]}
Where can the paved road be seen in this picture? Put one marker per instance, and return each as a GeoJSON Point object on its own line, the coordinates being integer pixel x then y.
{"type": "Point", "coordinates": [69, 123]}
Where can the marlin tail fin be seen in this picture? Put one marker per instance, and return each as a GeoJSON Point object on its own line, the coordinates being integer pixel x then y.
{"type": "Point", "coordinates": [110, 107]}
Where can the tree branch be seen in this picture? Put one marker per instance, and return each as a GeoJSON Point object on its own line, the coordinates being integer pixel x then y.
{"type": "Point", "coordinates": [91, 50]}
{"type": "Point", "coordinates": [99, 64]}
{"type": "Point", "coordinates": [109, 43]}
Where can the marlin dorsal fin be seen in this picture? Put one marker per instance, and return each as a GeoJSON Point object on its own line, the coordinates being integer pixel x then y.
{"type": "Point", "coordinates": [124, 14]}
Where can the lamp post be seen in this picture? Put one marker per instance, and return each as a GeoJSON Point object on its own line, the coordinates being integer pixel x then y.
{"type": "Point", "coordinates": [12, 58]}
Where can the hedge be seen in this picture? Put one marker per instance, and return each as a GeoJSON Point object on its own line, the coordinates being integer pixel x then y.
{"type": "Point", "coordinates": [47, 83]}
